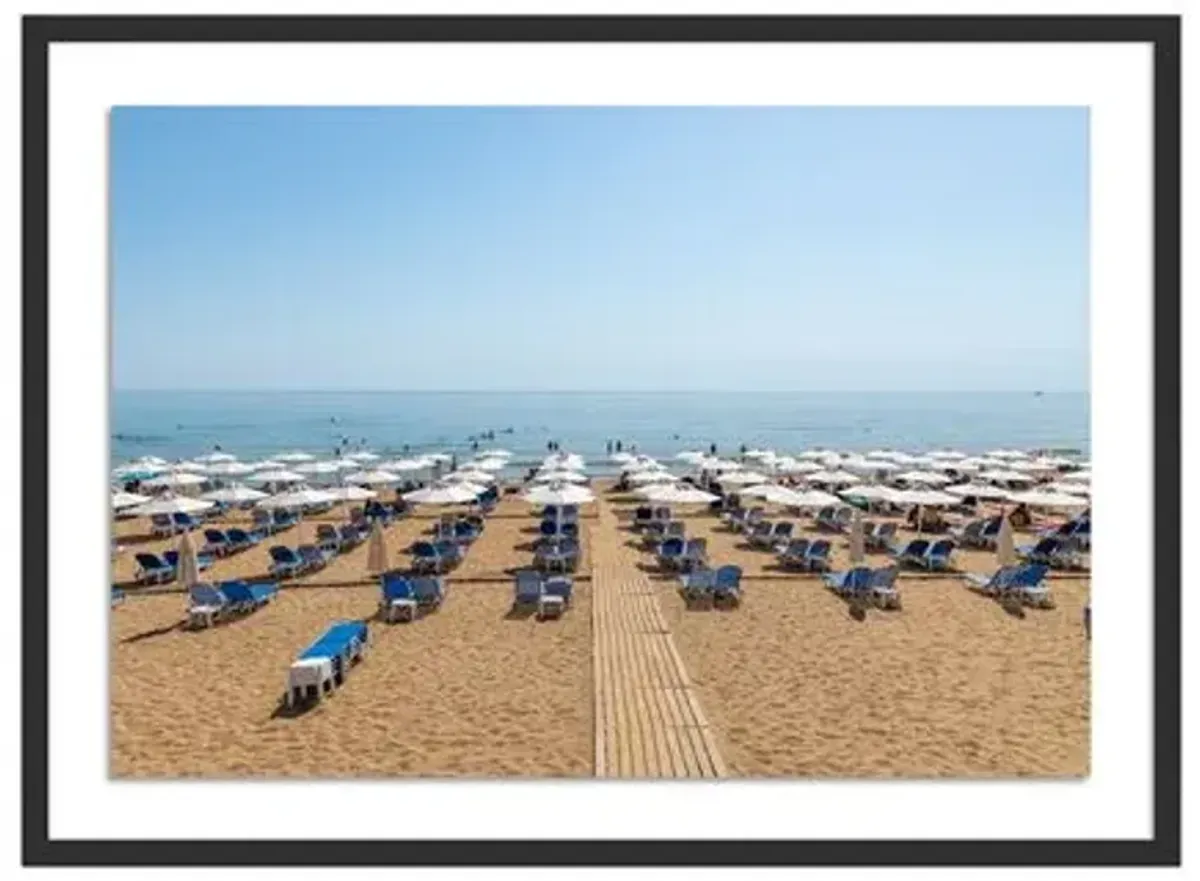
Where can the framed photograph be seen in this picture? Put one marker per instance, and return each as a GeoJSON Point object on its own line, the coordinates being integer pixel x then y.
{"type": "Point", "coordinates": [601, 441]}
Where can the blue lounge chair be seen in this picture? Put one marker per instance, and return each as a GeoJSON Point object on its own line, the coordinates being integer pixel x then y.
{"type": "Point", "coordinates": [569, 514]}
{"type": "Point", "coordinates": [216, 542]}
{"type": "Point", "coordinates": [162, 526]}
{"type": "Point", "coordinates": [994, 584]}
{"type": "Point", "coordinates": [557, 586]}
{"type": "Point", "coordinates": [207, 605]}
{"type": "Point", "coordinates": [397, 601]}
{"type": "Point", "coordinates": [794, 555]}
{"type": "Point", "coordinates": [569, 528]}
{"type": "Point", "coordinates": [653, 534]}
{"type": "Point", "coordinates": [527, 588]}
{"type": "Point", "coordinates": [989, 534]}
{"type": "Point", "coordinates": [642, 516]}
{"type": "Point", "coordinates": [429, 591]}
{"type": "Point", "coordinates": [450, 553]}
{"type": "Point", "coordinates": [781, 534]}
{"type": "Point", "coordinates": [733, 518]}
{"type": "Point", "coordinates": [265, 522]}
{"type": "Point", "coordinates": [670, 553]}
{"type": "Point", "coordinates": [1029, 584]}
{"type": "Point", "coordinates": [323, 665]}
{"type": "Point", "coordinates": [727, 586]}
{"type": "Point", "coordinates": [698, 586]}
{"type": "Point", "coordinates": [937, 557]}
{"type": "Point", "coordinates": [248, 596]}
{"type": "Point", "coordinates": [882, 586]}
{"type": "Point", "coordinates": [880, 538]}
{"type": "Point", "coordinates": [152, 570]}
{"type": "Point", "coordinates": [314, 557]}
{"type": "Point", "coordinates": [426, 557]}
{"type": "Point", "coordinates": [695, 554]}
{"type": "Point", "coordinates": [759, 535]}
{"type": "Point", "coordinates": [570, 548]}
{"type": "Point", "coordinates": [285, 562]}
{"type": "Point", "coordinates": [203, 560]}
{"type": "Point", "coordinates": [816, 559]}
{"type": "Point", "coordinates": [549, 529]}
{"type": "Point", "coordinates": [328, 538]}
{"type": "Point", "coordinates": [284, 519]}
{"type": "Point", "coordinates": [550, 512]}
{"type": "Point", "coordinates": [849, 583]}
{"type": "Point", "coordinates": [185, 522]}
{"type": "Point", "coordinates": [464, 532]}
{"type": "Point", "coordinates": [1053, 552]}
{"type": "Point", "coordinates": [241, 539]}
{"type": "Point", "coordinates": [970, 534]}
{"type": "Point", "coordinates": [911, 554]}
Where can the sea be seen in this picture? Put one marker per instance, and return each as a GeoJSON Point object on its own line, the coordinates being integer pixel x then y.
{"type": "Point", "coordinates": [180, 425]}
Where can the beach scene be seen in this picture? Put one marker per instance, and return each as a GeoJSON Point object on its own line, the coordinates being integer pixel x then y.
{"type": "Point", "coordinates": [599, 443]}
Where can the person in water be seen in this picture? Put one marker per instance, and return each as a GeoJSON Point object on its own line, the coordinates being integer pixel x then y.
{"type": "Point", "coordinates": [712, 449]}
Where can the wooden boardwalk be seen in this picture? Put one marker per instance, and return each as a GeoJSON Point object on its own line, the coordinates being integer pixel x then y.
{"type": "Point", "coordinates": [648, 719]}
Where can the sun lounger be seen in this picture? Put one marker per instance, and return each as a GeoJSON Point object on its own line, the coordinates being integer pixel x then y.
{"type": "Point", "coordinates": [1052, 552]}
{"type": "Point", "coordinates": [653, 534]}
{"type": "Point", "coordinates": [206, 605]}
{"type": "Point", "coordinates": [555, 596]}
{"type": "Point", "coordinates": [992, 584]}
{"type": "Point", "coordinates": [162, 526]}
{"type": "Point", "coordinates": [185, 522]}
{"type": "Point", "coordinates": [240, 539]}
{"type": "Point", "coordinates": [698, 586]}
{"type": "Point", "coordinates": [816, 558]}
{"type": "Point", "coordinates": [426, 557]}
{"type": "Point", "coordinates": [969, 535]}
{"type": "Point", "coordinates": [152, 570]}
{"type": "Point", "coordinates": [794, 554]}
{"type": "Point", "coordinates": [882, 586]}
{"type": "Point", "coordinates": [1029, 584]}
{"type": "Point", "coordinates": [733, 518]}
{"type": "Point", "coordinates": [759, 535]}
{"type": "Point", "coordinates": [880, 538]}
{"type": "Point", "coordinates": [851, 582]}
{"type": "Point", "coordinates": [284, 519]}
{"type": "Point", "coordinates": [450, 553]}
{"type": "Point", "coordinates": [328, 538]}
{"type": "Point", "coordinates": [313, 557]}
{"type": "Point", "coordinates": [642, 517]}
{"type": "Point", "coordinates": [527, 589]}
{"type": "Point", "coordinates": [753, 517]}
{"type": "Point", "coordinates": [670, 553]}
{"type": "Point", "coordinates": [727, 587]}
{"type": "Point", "coordinates": [285, 562]}
{"type": "Point", "coordinates": [397, 601]}
{"type": "Point", "coordinates": [248, 596]}
{"type": "Point", "coordinates": [216, 543]}
{"type": "Point", "coordinates": [203, 560]}
{"type": "Point", "coordinates": [429, 590]}
{"type": "Point", "coordinates": [695, 554]}
{"type": "Point", "coordinates": [937, 557]}
{"type": "Point", "coordinates": [323, 665]}
{"type": "Point", "coordinates": [264, 521]}
{"type": "Point", "coordinates": [910, 554]}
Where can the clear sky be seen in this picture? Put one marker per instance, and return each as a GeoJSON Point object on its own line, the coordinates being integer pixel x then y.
{"type": "Point", "coordinates": [600, 248]}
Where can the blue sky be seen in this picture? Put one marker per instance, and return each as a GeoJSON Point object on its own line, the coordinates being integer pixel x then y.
{"type": "Point", "coordinates": [600, 248]}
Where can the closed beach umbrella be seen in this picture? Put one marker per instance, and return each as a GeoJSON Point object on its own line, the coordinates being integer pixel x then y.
{"type": "Point", "coordinates": [857, 544]}
{"type": "Point", "coordinates": [295, 457]}
{"type": "Point", "coordinates": [559, 494]}
{"type": "Point", "coordinates": [122, 500]}
{"type": "Point", "coordinates": [174, 480]}
{"type": "Point", "coordinates": [377, 550]}
{"type": "Point", "coordinates": [189, 567]}
{"type": "Point", "coordinates": [171, 505]}
{"type": "Point", "coordinates": [280, 476]}
{"type": "Point", "coordinates": [449, 494]}
{"type": "Point", "coordinates": [1006, 553]}
{"type": "Point", "coordinates": [234, 495]}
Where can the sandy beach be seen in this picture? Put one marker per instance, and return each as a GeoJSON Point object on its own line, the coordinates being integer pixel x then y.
{"type": "Point", "coordinates": [791, 683]}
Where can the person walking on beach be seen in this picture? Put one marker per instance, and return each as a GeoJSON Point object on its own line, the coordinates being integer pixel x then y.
{"type": "Point", "coordinates": [712, 449]}
{"type": "Point", "coordinates": [618, 446]}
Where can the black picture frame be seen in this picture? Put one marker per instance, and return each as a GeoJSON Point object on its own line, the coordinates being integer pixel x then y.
{"type": "Point", "coordinates": [1162, 32]}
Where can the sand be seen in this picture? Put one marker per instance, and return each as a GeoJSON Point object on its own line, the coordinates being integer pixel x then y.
{"type": "Point", "coordinates": [791, 683]}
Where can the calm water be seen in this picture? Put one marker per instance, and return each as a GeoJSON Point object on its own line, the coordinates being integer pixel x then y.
{"type": "Point", "coordinates": [178, 425]}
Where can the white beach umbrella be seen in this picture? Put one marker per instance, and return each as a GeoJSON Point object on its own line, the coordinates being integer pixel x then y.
{"type": "Point", "coordinates": [1074, 489]}
{"type": "Point", "coordinates": [857, 541]}
{"type": "Point", "coordinates": [834, 478]}
{"type": "Point", "coordinates": [269, 465]}
{"type": "Point", "coordinates": [770, 492]}
{"type": "Point", "coordinates": [902, 458]}
{"type": "Point", "coordinates": [559, 494]}
{"type": "Point", "coordinates": [796, 466]}
{"type": "Point", "coordinates": [493, 463]}
{"type": "Point", "coordinates": [363, 456]}
{"type": "Point", "coordinates": [188, 566]}
{"type": "Point", "coordinates": [295, 457]}
{"type": "Point", "coordinates": [1006, 477]}
{"type": "Point", "coordinates": [402, 466]}
{"type": "Point", "coordinates": [1041, 499]}
{"type": "Point", "coordinates": [131, 469]}
{"type": "Point", "coordinates": [759, 454]}
{"type": "Point", "coordinates": [497, 453]}
{"type": "Point", "coordinates": [438, 457]}
{"type": "Point", "coordinates": [560, 477]}
{"type": "Point", "coordinates": [948, 455]}
{"type": "Point", "coordinates": [234, 494]}
{"type": "Point", "coordinates": [280, 476]}
{"type": "Point", "coordinates": [230, 469]}
{"type": "Point", "coordinates": [871, 492]}
{"type": "Point", "coordinates": [174, 480]}
{"type": "Point", "coordinates": [1010, 455]}
{"type": "Point", "coordinates": [743, 478]}
{"type": "Point", "coordinates": [1077, 477]}
{"type": "Point", "coordinates": [326, 467]}
{"type": "Point", "coordinates": [926, 498]}
{"type": "Point", "coordinates": [813, 498]}
{"type": "Point", "coordinates": [926, 478]}
{"type": "Point", "coordinates": [297, 499]}
{"type": "Point", "coordinates": [450, 494]}
{"type": "Point", "coordinates": [622, 457]}
{"type": "Point", "coordinates": [1006, 553]}
{"type": "Point", "coordinates": [192, 467]}
{"type": "Point", "coordinates": [171, 505]}
{"type": "Point", "coordinates": [978, 490]}
{"type": "Point", "coordinates": [471, 476]}
{"type": "Point", "coordinates": [127, 500]}
{"type": "Point", "coordinates": [815, 455]}
{"type": "Point", "coordinates": [631, 467]}
{"type": "Point", "coordinates": [216, 457]}
{"type": "Point", "coordinates": [351, 493]}
{"type": "Point", "coordinates": [377, 554]}
{"type": "Point", "coordinates": [692, 456]}
{"type": "Point", "coordinates": [673, 494]}
{"type": "Point", "coordinates": [372, 478]}
{"type": "Point", "coordinates": [150, 460]}
{"type": "Point", "coordinates": [643, 477]}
